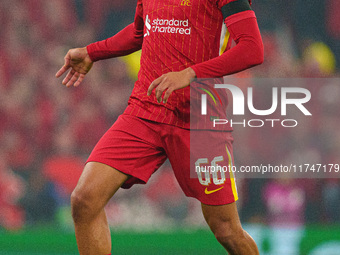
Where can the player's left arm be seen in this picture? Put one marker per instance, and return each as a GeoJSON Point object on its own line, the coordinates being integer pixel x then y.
{"type": "Point", "coordinates": [248, 52]}
{"type": "Point", "coordinates": [242, 25]}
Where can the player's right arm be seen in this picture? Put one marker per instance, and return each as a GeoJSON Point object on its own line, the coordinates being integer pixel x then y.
{"type": "Point", "coordinates": [80, 60]}
{"type": "Point", "coordinates": [127, 41]}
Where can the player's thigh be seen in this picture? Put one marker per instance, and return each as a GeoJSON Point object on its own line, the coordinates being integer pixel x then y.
{"type": "Point", "coordinates": [96, 185]}
{"type": "Point", "coordinates": [222, 219]}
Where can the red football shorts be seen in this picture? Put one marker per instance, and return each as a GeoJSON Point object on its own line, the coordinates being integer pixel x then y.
{"type": "Point", "coordinates": [138, 147]}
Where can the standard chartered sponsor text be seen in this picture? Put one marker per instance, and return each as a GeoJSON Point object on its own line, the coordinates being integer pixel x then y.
{"type": "Point", "coordinates": [172, 26]}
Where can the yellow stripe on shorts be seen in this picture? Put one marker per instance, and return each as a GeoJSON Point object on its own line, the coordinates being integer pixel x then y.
{"type": "Point", "coordinates": [231, 174]}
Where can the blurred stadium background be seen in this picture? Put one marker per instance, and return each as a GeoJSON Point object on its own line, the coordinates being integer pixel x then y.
{"type": "Point", "coordinates": [47, 131]}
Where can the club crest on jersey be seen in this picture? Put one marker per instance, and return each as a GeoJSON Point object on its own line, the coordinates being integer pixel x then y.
{"type": "Point", "coordinates": [186, 3]}
{"type": "Point", "coordinates": [169, 26]}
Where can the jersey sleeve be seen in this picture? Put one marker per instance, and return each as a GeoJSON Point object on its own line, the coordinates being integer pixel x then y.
{"type": "Point", "coordinates": [127, 41]}
{"type": "Point", "coordinates": [242, 25]}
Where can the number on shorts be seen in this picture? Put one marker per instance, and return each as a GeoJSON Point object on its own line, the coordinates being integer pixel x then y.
{"type": "Point", "coordinates": [208, 172]}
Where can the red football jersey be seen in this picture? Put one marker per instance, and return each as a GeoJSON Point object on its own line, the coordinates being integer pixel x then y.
{"type": "Point", "coordinates": [175, 34]}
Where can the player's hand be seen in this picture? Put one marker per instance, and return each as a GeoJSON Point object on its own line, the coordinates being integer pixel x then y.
{"type": "Point", "coordinates": [80, 63]}
{"type": "Point", "coordinates": [170, 82]}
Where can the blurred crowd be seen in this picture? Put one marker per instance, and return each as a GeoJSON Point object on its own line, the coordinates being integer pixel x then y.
{"type": "Point", "coordinates": [47, 130]}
